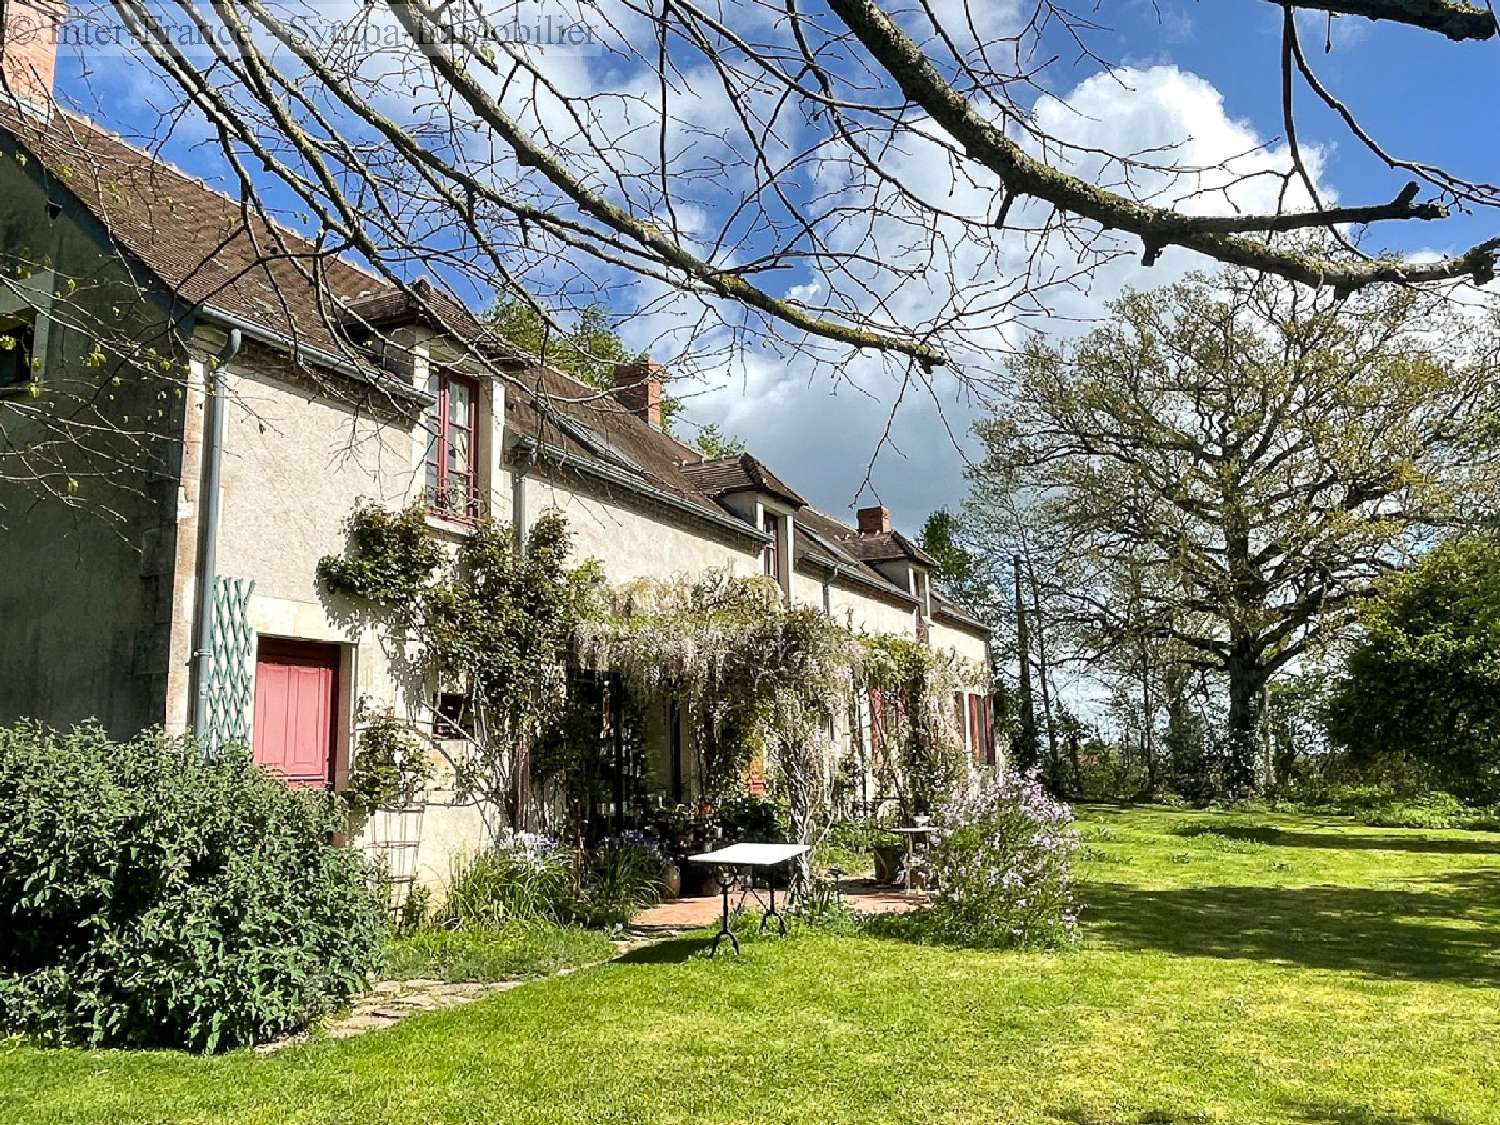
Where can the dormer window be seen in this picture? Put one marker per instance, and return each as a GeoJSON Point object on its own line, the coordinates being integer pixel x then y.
{"type": "Point", "coordinates": [452, 425]}
{"type": "Point", "coordinates": [771, 556]}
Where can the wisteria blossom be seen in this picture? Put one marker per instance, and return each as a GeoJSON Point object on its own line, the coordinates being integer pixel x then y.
{"type": "Point", "coordinates": [1003, 861]}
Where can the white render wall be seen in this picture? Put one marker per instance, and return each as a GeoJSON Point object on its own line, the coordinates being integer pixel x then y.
{"type": "Point", "coordinates": [296, 464]}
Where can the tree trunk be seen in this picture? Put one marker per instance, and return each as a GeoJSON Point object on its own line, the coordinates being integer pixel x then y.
{"type": "Point", "coordinates": [1247, 679]}
{"type": "Point", "coordinates": [1026, 750]}
{"type": "Point", "coordinates": [1054, 759]}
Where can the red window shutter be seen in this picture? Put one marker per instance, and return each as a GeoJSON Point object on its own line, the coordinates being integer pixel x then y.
{"type": "Point", "coordinates": [976, 730]}
{"type": "Point", "coordinates": [296, 700]}
{"type": "Point", "coordinates": [988, 702]}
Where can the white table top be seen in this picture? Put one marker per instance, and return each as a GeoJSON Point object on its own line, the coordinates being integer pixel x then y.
{"type": "Point", "coordinates": [750, 855]}
{"type": "Point", "coordinates": [916, 830]}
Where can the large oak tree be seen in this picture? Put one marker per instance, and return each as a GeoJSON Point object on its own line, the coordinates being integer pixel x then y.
{"type": "Point", "coordinates": [1265, 452]}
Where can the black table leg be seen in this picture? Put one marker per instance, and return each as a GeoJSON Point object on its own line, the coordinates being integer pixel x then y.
{"type": "Point", "coordinates": [725, 882]}
{"type": "Point", "coordinates": [772, 912]}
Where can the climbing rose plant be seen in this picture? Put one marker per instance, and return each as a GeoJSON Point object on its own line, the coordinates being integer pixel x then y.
{"type": "Point", "coordinates": [1003, 862]}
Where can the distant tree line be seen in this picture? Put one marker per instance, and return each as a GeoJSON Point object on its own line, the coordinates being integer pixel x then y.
{"type": "Point", "coordinates": [1239, 532]}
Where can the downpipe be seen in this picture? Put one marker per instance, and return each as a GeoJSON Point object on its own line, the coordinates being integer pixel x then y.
{"type": "Point", "coordinates": [214, 422]}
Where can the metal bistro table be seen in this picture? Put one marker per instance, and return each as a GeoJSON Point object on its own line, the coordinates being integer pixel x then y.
{"type": "Point", "coordinates": [749, 857]}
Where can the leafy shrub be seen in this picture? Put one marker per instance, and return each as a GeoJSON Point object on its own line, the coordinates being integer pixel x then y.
{"type": "Point", "coordinates": [752, 818]}
{"type": "Point", "coordinates": [530, 879]}
{"type": "Point", "coordinates": [623, 878]}
{"type": "Point", "coordinates": [848, 845]}
{"type": "Point", "coordinates": [1003, 858]}
{"type": "Point", "coordinates": [151, 898]}
{"type": "Point", "coordinates": [1432, 810]}
{"type": "Point", "coordinates": [391, 768]}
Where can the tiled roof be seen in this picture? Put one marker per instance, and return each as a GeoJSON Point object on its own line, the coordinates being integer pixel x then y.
{"type": "Point", "coordinates": [557, 410]}
{"type": "Point", "coordinates": [202, 244]}
{"type": "Point", "coordinates": [724, 476]}
{"type": "Point", "coordinates": [885, 546]}
{"type": "Point", "coordinates": [436, 309]}
{"type": "Point", "coordinates": [211, 251]}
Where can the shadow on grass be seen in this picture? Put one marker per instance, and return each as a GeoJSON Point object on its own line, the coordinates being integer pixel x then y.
{"type": "Point", "coordinates": [1325, 1113]}
{"type": "Point", "coordinates": [1443, 931]}
{"type": "Point", "coordinates": [1406, 840]}
{"type": "Point", "coordinates": [670, 952]}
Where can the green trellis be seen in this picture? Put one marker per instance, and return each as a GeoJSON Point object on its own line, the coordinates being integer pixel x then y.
{"type": "Point", "coordinates": [232, 649]}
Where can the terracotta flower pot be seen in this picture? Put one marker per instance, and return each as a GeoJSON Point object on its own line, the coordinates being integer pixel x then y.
{"type": "Point", "coordinates": [671, 881]}
{"type": "Point", "coordinates": [888, 860]}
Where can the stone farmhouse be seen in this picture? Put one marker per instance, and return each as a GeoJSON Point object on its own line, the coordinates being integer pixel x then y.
{"type": "Point", "coordinates": [195, 602]}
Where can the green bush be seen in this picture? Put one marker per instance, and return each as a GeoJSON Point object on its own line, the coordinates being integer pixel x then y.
{"type": "Point", "coordinates": [531, 880]}
{"type": "Point", "coordinates": [535, 879]}
{"type": "Point", "coordinates": [150, 898]}
{"type": "Point", "coordinates": [1431, 810]}
{"type": "Point", "coordinates": [622, 879]}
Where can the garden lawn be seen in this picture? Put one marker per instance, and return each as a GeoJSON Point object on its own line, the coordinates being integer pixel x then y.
{"type": "Point", "coordinates": [519, 950]}
{"type": "Point", "coordinates": [1239, 969]}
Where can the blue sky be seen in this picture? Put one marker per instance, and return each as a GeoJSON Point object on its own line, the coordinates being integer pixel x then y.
{"type": "Point", "coordinates": [1203, 68]}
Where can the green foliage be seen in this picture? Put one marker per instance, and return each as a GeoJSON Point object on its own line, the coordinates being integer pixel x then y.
{"type": "Point", "coordinates": [391, 765]}
{"type": "Point", "coordinates": [588, 350]}
{"type": "Point", "coordinates": [515, 951]}
{"type": "Point", "coordinates": [533, 879]}
{"type": "Point", "coordinates": [960, 570]}
{"type": "Point", "coordinates": [621, 880]}
{"type": "Point", "coordinates": [506, 884]}
{"type": "Point", "coordinates": [1259, 454]}
{"type": "Point", "coordinates": [1425, 682]}
{"type": "Point", "coordinates": [752, 818]}
{"type": "Point", "coordinates": [493, 621]}
{"type": "Point", "coordinates": [713, 443]}
{"type": "Point", "coordinates": [1432, 810]}
{"type": "Point", "coordinates": [154, 899]}
{"type": "Point", "coordinates": [389, 559]}
{"type": "Point", "coordinates": [921, 746]}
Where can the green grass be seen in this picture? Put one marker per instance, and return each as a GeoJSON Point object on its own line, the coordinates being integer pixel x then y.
{"type": "Point", "coordinates": [1273, 968]}
{"type": "Point", "coordinates": [521, 949]}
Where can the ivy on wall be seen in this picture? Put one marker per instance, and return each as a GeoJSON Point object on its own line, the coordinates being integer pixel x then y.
{"type": "Point", "coordinates": [488, 620]}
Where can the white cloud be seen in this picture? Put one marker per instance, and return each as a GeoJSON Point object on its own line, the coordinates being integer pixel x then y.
{"type": "Point", "coordinates": [822, 435]}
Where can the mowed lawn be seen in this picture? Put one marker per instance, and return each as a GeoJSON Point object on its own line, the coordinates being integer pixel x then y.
{"type": "Point", "coordinates": [1240, 969]}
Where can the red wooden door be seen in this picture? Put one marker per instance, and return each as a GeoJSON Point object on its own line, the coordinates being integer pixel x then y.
{"type": "Point", "coordinates": [296, 695]}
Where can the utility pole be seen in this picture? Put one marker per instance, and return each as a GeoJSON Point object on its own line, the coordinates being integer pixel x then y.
{"type": "Point", "coordinates": [1026, 755]}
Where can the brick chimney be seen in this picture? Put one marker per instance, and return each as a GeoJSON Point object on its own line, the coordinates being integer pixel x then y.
{"type": "Point", "coordinates": [29, 34]}
{"type": "Point", "coordinates": [874, 521]}
{"type": "Point", "coordinates": [638, 389]}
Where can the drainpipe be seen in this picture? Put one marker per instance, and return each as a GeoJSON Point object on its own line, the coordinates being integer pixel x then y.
{"type": "Point", "coordinates": [521, 463]}
{"type": "Point", "coordinates": [215, 418]}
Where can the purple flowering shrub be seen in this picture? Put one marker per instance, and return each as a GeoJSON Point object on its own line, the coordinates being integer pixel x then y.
{"type": "Point", "coordinates": [1002, 858]}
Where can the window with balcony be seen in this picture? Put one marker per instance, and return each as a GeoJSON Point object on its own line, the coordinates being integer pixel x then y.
{"type": "Point", "coordinates": [452, 424]}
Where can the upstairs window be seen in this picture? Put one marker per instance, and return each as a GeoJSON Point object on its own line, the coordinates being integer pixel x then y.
{"type": "Point", "coordinates": [771, 556]}
{"type": "Point", "coordinates": [452, 422]}
{"type": "Point", "coordinates": [17, 346]}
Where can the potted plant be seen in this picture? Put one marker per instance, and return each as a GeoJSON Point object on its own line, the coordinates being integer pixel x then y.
{"type": "Point", "coordinates": [889, 852]}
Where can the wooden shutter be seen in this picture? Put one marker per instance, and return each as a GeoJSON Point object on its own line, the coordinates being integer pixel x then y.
{"type": "Point", "coordinates": [296, 701]}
